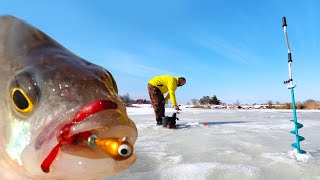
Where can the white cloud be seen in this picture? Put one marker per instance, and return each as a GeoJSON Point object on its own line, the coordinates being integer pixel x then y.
{"type": "Point", "coordinates": [235, 51]}
{"type": "Point", "coordinates": [131, 64]}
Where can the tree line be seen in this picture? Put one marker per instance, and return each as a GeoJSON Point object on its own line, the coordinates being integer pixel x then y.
{"type": "Point", "coordinates": [307, 104]}
{"type": "Point", "coordinates": [126, 99]}
{"type": "Point", "coordinates": [206, 100]}
{"type": "Point", "coordinates": [213, 100]}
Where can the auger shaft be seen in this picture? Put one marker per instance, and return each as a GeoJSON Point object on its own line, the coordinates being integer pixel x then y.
{"type": "Point", "coordinates": [291, 87]}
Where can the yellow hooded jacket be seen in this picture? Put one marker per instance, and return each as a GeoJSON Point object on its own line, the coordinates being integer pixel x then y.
{"type": "Point", "coordinates": [166, 83]}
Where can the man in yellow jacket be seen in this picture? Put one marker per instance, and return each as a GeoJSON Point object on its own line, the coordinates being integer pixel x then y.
{"type": "Point", "coordinates": [157, 87]}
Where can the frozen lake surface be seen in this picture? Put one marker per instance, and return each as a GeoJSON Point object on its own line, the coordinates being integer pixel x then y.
{"type": "Point", "coordinates": [236, 144]}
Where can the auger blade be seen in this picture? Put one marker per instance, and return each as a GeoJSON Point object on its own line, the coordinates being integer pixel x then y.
{"type": "Point", "coordinates": [299, 125]}
{"type": "Point", "coordinates": [301, 151]}
{"type": "Point", "coordinates": [300, 138]}
{"type": "Point", "coordinates": [294, 145]}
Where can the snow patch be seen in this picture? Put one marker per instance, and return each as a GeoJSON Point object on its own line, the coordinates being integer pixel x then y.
{"type": "Point", "coordinates": [293, 154]}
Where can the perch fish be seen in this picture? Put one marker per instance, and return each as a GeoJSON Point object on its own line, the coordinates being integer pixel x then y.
{"type": "Point", "coordinates": [61, 116]}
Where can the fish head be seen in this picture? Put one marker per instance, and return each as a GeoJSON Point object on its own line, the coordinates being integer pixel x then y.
{"type": "Point", "coordinates": [53, 99]}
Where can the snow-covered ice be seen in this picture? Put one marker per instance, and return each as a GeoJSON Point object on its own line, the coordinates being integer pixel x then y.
{"type": "Point", "coordinates": [236, 144]}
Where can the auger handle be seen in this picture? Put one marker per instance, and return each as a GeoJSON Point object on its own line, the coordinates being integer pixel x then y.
{"type": "Point", "coordinates": [284, 22]}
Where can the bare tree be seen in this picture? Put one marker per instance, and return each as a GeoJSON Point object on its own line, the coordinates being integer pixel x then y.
{"type": "Point", "coordinates": [204, 100]}
{"type": "Point", "coordinates": [270, 103]}
{"type": "Point", "coordinates": [126, 98]}
{"type": "Point", "coordinates": [237, 103]}
{"type": "Point", "coordinates": [194, 101]}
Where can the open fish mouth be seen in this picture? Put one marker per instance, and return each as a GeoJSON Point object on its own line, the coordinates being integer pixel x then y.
{"type": "Point", "coordinates": [95, 134]}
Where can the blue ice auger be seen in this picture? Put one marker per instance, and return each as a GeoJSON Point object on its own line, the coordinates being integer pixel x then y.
{"type": "Point", "coordinates": [297, 125]}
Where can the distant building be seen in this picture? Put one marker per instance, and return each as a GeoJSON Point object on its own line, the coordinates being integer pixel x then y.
{"type": "Point", "coordinates": [142, 101]}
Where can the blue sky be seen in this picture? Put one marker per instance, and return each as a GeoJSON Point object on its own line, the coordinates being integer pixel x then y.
{"type": "Point", "coordinates": [233, 49]}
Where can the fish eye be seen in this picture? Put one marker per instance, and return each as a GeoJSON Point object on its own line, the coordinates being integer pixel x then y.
{"type": "Point", "coordinates": [124, 150]}
{"type": "Point", "coordinates": [21, 100]}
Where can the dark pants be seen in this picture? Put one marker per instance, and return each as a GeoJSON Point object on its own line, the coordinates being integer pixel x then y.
{"type": "Point", "coordinates": [156, 98]}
